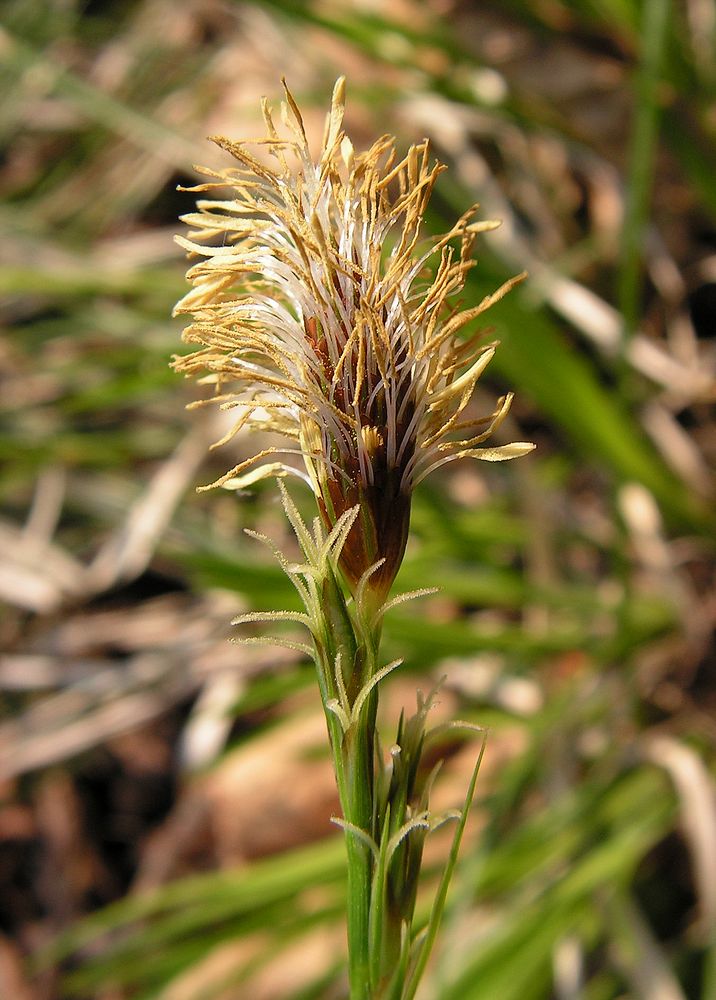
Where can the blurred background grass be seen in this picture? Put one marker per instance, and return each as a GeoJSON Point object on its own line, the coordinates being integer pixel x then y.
{"type": "Point", "coordinates": [176, 787]}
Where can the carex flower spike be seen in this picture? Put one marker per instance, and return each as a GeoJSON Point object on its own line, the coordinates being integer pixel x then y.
{"type": "Point", "coordinates": [323, 316]}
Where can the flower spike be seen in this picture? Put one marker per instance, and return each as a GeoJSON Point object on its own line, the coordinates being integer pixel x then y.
{"type": "Point", "coordinates": [314, 319]}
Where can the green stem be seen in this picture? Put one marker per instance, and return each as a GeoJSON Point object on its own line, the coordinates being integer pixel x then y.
{"type": "Point", "coordinates": [353, 753]}
{"type": "Point", "coordinates": [358, 810]}
{"type": "Point", "coordinates": [359, 748]}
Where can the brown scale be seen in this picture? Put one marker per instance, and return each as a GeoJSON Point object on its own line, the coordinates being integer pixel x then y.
{"type": "Point", "coordinates": [319, 346]}
{"type": "Point", "coordinates": [381, 530]}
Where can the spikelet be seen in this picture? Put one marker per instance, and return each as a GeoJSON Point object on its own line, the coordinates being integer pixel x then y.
{"type": "Point", "coordinates": [308, 327]}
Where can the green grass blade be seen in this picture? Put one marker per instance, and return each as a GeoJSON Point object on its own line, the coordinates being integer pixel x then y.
{"type": "Point", "coordinates": [428, 941]}
{"type": "Point", "coordinates": [642, 155]}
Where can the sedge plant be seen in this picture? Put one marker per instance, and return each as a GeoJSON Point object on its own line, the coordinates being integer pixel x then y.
{"type": "Point", "coordinates": [321, 314]}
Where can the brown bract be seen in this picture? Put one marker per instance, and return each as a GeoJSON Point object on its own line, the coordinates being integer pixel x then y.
{"type": "Point", "coordinates": [322, 315]}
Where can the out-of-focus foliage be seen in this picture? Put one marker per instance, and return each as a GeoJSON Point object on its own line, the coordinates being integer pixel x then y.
{"type": "Point", "coordinates": [137, 747]}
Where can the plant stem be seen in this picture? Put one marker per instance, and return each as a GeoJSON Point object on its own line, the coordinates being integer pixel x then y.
{"type": "Point", "coordinates": [350, 648]}
{"type": "Point", "coordinates": [358, 809]}
{"type": "Point", "coordinates": [360, 866]}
